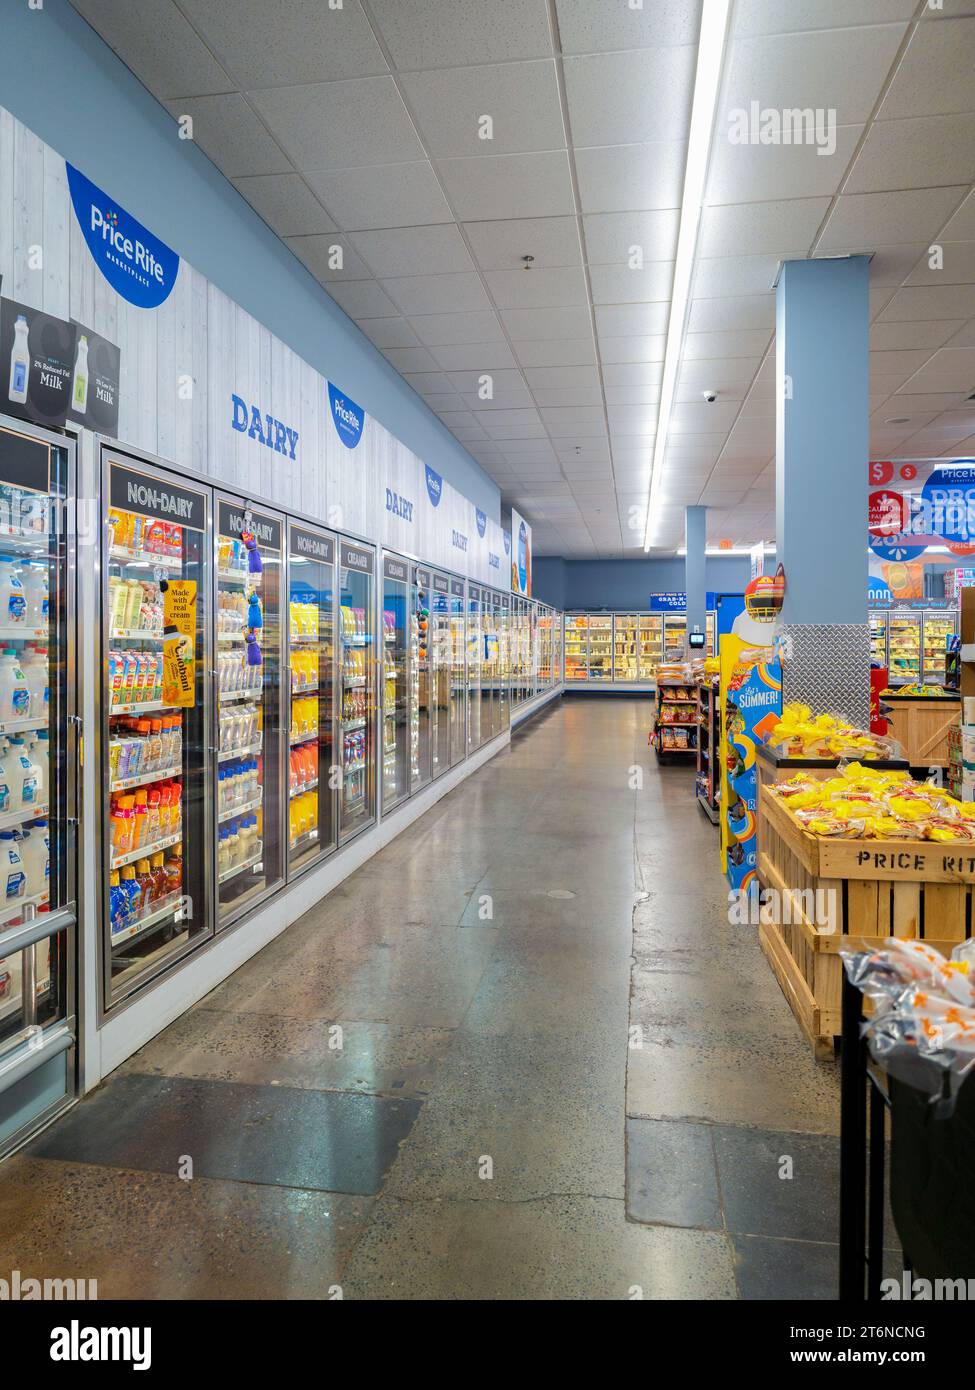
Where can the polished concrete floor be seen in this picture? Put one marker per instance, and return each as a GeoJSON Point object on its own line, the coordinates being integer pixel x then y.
{"type": "Point", "coordinates": [520, 1054]}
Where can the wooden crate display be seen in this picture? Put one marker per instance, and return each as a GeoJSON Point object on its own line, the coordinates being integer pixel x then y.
{"type": "Point", "coordinates": [833, 895]}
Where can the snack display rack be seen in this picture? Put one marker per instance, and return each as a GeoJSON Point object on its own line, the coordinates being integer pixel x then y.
{"type": "Point", "coordinates": [708, 780]}
{"type": "Point", "coordinates": [676, 728]}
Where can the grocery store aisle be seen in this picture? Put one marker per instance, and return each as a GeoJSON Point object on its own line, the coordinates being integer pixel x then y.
{"type": "Point", "coordinates": [424, 1088]}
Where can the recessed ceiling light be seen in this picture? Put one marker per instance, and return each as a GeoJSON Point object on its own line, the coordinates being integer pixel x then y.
{"type": "Point", "coordinates": [898, 420]}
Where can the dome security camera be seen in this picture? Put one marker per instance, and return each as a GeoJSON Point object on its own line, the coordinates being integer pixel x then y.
{"type": "Point", "coordinates": [710, 397]}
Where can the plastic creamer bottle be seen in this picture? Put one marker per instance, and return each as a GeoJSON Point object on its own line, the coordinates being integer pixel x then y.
{"type": "Point", "coordinates": [13, 605]}
{"type": "Point", "coordinates": [14, 690]}
{"type": "Point", "coordinates": [12, 876]}
{"type": "Point", "coordinates": [35, 854]}
{"type": "Point", "coordinates": [25, 775]}
{"type": "Point", "coordinates": [34, 668]}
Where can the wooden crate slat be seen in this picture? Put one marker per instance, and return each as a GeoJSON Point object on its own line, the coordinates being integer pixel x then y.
{"type": "Point", "coordinates": [944, 911]}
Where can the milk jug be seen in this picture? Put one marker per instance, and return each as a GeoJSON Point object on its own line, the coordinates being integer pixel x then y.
{"type": "Point", "coordinates": [13, 605]}
{"type": "Point", "coordinates": [14, 690]}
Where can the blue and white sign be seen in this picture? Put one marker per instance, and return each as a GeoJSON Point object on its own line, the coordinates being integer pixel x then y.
{"type": "Point", "coordinates": [949, 499]}
{"type": "Point", "coordinates": [347, 417]}
{"type": "Point", "coordinates": [262, 427]}
{"type": "Point", "coordinates": [434, 485]}
{"type": "Point", "coordinates": [878, 590]}
{"type": "Point", "coordinates": [668, 603]}
{"type": "Point", "coordinates": [481, 519]}
{"type": "Point", "coordinates": [137, 265]}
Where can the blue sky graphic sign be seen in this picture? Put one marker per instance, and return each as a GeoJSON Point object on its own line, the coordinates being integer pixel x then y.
{"type": "Point", "coordinates": [137, 265]}
{"type": "Point", "coordinates": [347, 417]}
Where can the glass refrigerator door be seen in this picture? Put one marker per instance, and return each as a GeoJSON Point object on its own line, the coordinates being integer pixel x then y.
{"type": "Point", "coordinates": [938, 627]}
{"type": "Point", "coordinates": [600, 649]}
{"type": "Point", "coordinates": [421, 694]}
{"type": "Point", "coordinates": [490, 682]}
{"type": "Point", "coordinates": [311, 721]}
{"type": "Point", "coordinates": [395, 680]}
{"type": "Point", "coordinates": [576, 647]}
{"type": "Point", "coordinates": [626, 648]}
{"type": "Point", "coordinates": [878, 638]}
{"type": "Point", "coordinates": [249, 800]}
{"type": "Point", "coordinates": [474, 640]}
{"type": "Point", "coordinates": [710, 627]}
{"type": "Point", "coordinates": [357, 684]}
{"type": "Point", "coordinates": [504, 657]}
{"type": "Point", "coordinates": [458, 674]}
{"type": "Point", "coordinates": [440, 675]}
{"type": "Point", "coordinates": [905, 647]}
{"type": "Point", "coordinates": [38, 757]}
{"type": "Point", "coordinates": [651, 645]}
{"type": "Point", "coordinates": [675, 636]}
{"type": "Point", "coordinates": [557, 648]}
{"type": "Point", "coordinates": [156, 739]}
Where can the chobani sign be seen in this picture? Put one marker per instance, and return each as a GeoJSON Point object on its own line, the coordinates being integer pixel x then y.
{"type": "Point", "coordinates": [137, 265]}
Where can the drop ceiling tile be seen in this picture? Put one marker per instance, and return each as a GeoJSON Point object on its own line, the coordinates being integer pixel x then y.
{"type": "Point", "coordinates": [934, 77]}
{"type": "Point", "coordinates": [467, 434]}
{"type": "Point", "coordinates": [516, 399]}
{"type": "Point", "coordinates": [730, 374]}
{"type": "Point", "coordinates": [285, 203]}
{"type": "Point", "coordinates": [536, 325]}
{"type": "Point", "coordinates": [431, 382]}
{"type": "Point", "coordinates": [474, 357]}
{"type": "Point", "coordinates": [709, 345]}
{"type": "Point", "coordinates": [702, 419]}
{"type": "Point", "coordinates": [328, 257]}
{"type": "Point", "coordinates": [764, 173]}
{"type": "Point", "coordinates": [627, 178]}
{"type": "Point", "coordinates": [227, 130]}
{"type": "Point", "coordinates": [574, 415]}
{"type": "Point", "coordinates": [950, 369]}
{"type": "Point", "coordinates": [575, 352]}
{"type": "Point", "coordinates": [444, 330]}
{"type": "Point", "coordinates": [891, 265]}
{"type": "Point", "coordinates": [930, 302]}
{"type": "Point", "coordinates": [159, 45]}
{"type": "Point", "coordinates": [865, 220]}
{"type": "Point", "coordinates": [423, 34]}
{"type": "Point", "coordinates": [362, 299]}
{"type": "Point", "coordinates": [386, 195]}
{"type": "Point", "coordinates": [437, 294]}
{"type": "Point", "coordinates": [565, 395]}
{"type": "Point", "coordinates": [553, 241]}
{"type": "Point", "coordinates": [577, 433]}
{"type": "Point", "coordinates": [927, 152]}
{"type": "Point", "coordinates": [395, 251]}
{"type": "Point", "coordinates": [388, 333]}
{"type": "Point", "coordinates": [618, 284]}
{"type": "Point", "coordinates": [632, 373]}
{"type": "Point", "coordinates": [521, 100]}
{"type": "Point", "coordinates": [729, 314]}
{"type": "Point", "coordinates": [339, 125]}
{"type": "Point", "coordinates": [473, 381]}
{"type": "Point", "coordinates": [734, 275]}
{"type": "Point", "coordinates": [456, 418]}
{"type": "Point", "coordinates": [410, 359]}
{"type": "Point", "coordinates": [632, 320]}
{"type": "Point", "coordinates": [964, 337]}
{"type": "Point", "coordinates": [640, 94]}
{"type": "Point", "coordinates": [439, 401]}
{"type": "Point", "coordinates": [537, 289]}
{"type": "Point", "coordinates": [612, 238]}
{"type": "Point", "coordinates": [648, 394]}
{"type": "Point", "coordinates": [591, 26]}
{"type": "Point", "coordinates": [562, 376]}
{"type": "Point", "coordinates": [501, 431]}
{"type": "Point", "coordinates": [508, 186]}
{"type": "Point", "coordinates": [744, 229]}
{"type": "Point", "coordinates": [961, 227]}
{"type": "Point", "coordinates": [615, 350]}
{"type": "Point", "coordinates": [957, 265]}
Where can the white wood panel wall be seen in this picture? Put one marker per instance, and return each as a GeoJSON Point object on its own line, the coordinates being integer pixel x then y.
{"type": "Point", "coordinates": [183, 362]}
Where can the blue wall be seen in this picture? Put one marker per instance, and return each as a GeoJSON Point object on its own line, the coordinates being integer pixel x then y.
{"type": "Point", "coordinates": [627, 584]}
{"type": "Point", "coordinates": [61, 80]}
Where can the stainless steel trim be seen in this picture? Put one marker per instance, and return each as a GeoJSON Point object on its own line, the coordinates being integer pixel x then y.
{"type": "Point", "coordinates": [39, 928]}
{"type": "Point", "coordinates": [31, 1055]}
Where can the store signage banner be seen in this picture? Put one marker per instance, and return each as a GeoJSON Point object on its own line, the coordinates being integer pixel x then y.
{"type": "Point", "coordinates": [132, 491]}
{"type": "Point", "coordinates": [25, 464]}
{"type": "Point", "coordinates": [37, 363]}
{"type": "Point", "coordinates": [481, 520]}
{"type": "Point", "coordinates": [261, 426]}
{"type": "Point", "coordinates": [521, 555]}
{"type": "Point", "coordinates": [347, 417]}
{"type": "Point", "coordinates": [668, 603]}
{"type": "Point", "coordinates": [434, 485]}
{"type": "Point", "coordinates": [179, 637]}
{"type": "Point", "coordinates": [309, 545]}
{"type": "Point", "coordinates": [137, 265]}
{"type": "Point", "coordinates": [757, 559]}
{"type": "Point", "coordinates": [95, 382]}
{"type": "Point", "coordinates": [878, 590]}
{"type": "Point", "coordinates": [751, 699]}
{"type": "Point", "coordinates": [233, 520]}
{"type": "Point", "coordinates": [949, 495]}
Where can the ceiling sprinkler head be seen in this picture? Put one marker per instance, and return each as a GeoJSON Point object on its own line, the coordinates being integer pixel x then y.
{"type": "Point", "coordinates": [527, 262]}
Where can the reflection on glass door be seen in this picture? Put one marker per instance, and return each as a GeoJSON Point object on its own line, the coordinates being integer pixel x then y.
{"type": "Point", "coordinates": [422, 687]}
{"type": "Point", "coordinates": [576, 647]}
{"type": "Point", "coordinates": [626, 648]}
{"type": "Point", "coordinates": [357, 797]}
{"type": "Point", "coordinates": [600, 648]}
{"type": "Point", "coordinates": [311, 662]}
{"type": "Point", "coordinates": [458, 674]}
{"type": "Point", "coordinates": [155, 604]}
{"type": "Point", "coordinates": [491, 721]}
{"type": "Point", "coordinates": [440, 664]}
{"type": "Point", "coordinates": [474, 640]}
{"type": "Point", "coordinates": [249, 806]}
{"type": "Point", "coordinates": [504, 624]}
{"type": "Point", "coordinates": [651, 645]}
{"type": "Point", "coordinates": [395, 680]}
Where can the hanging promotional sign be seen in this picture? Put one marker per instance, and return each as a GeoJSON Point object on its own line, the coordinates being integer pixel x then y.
{"type": "Point", "coordinates": [949, 495]}
{"type": "Point", "coordinates": [521, 555]}
{"type": "Point", "coordinates": [179, 642]}
{"type": "Point", "coordinates": [37, 363]}
{"type": "Point", "coordinates": [95, 381]}
{"type": "Point", "coordinates": [750, 691]}
{"type": "Point", "coordinates": [434, 485]}
{"type": "Point", "coordinates": [137, 265]}
{"type": "Point", "coordinates": [347, 417]}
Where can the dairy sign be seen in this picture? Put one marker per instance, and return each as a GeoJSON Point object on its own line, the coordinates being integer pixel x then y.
{"type": "Point", "coordinates": [137, 265]}
{"type": "Point", "coordinates": [347, 417]}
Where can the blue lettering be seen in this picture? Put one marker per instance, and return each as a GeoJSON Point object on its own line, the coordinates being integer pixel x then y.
{"type": "Point", "coordinates": [292, 438]}
{"type": "Point", "coordinates": [279, 437]}
{"type": "Point", "coordinates": [256, 430]}
{"type": "Point", "coordinates": [239, 420]}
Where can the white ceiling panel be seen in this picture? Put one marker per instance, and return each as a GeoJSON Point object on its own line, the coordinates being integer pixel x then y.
{"type": "Point", "coordinates": [641, 94]}
{"type": "Point", "coordinates": [927, 152]}
{"type": "Point", "coordinates": [393, 251]}
{"type": "Point", "coordinates": [752, 229]}
{"type": "Point", "coordinates": [573, 352]}
{"type": "Point", "coordinates": [934, 77]}
{"type": "Point", "coordinates": [328, 257]}
{"type": "Point", "coordinates": [865, 220]}
{"type": "Point", "coordinates": [437, 294]}
{"type": "Point", "coordinates": [627, 178]}
{"type": "Point", "coordinates": [286, 204]}
{"type": "Point", "coordinates": [461, 357]}
{"type": "Point", "coordinates": [156, 41]}
{"type": "Point", "coordinates": [537, 289]}
{"type": "Point", "coordinates": [744, 344]}
{"type": "Point", "coordinates": [735, 275]}
{"type": "Point", "coordinates": [362, 299]}
{"type": "Point", "coordinates": [429, 34]}
{"type": "Point", "coordinates": [616, 350]}
{"type": "Point", "coordinates": [230, 133]}
{"type": "Point", "coordinates": [501, 245]}
{"type": "Point", "coordinates": [337, 125]}
{"type": "Point", "coordinates": [520, 100]}
{"type": "Point", "coordinates": [763, 173]}
{"type": "Point", "coordinates": [726, 315]}
{"type": "Point", "coordinates": [546, 396]}
{"type": "Point", "coordinates": [954, 266]}
{"type": "Point", "coordinates": [619, 284]}
{"type": "Point", "coordinates": [385, 195]}
{"type": "Point", "coordinates": [443, 330]}
{"type": "Point", "coordinates": [930, 302]}
{"type": "Point", "coordinates": [508, 186]}
{"type": "Point", "coordinates": [612, 238]}
{"type": "Point", "coordinates": [537, 325]}
{"type": "Point", "coordinates": [388, 333]}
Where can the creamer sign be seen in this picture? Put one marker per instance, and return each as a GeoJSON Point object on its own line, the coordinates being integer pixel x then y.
{"type": "Point", "coordinates": [434, 485]}
{"type": "Point", "coordinates": [137, 265]}
{"type": "Point", "coordinates": [347, 417]}
{"type": "Point", "coordinates": [398, 506]}
{"type": "Point", "coordinates": [262, 427]}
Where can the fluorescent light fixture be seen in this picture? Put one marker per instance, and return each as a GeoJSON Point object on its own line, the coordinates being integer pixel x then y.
{"type": "Point", "coordinates": [707, 81]}
{"type": "Point", "coordinates": [729, 550]}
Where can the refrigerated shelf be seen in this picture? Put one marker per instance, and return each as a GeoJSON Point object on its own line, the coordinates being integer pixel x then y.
{"type": "Point", "coordinates": [24, 814]}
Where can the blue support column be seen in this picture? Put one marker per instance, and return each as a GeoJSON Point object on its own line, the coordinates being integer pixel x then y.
{"type": "Point", "coordinates": [695, 582]}
{"type": "Point", "coordinates": [821, 454]}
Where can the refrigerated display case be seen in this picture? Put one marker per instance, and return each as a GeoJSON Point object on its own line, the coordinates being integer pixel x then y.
{"type": "Point", "coordinates": [38, 762]}
{"type": "Point", "coordinates": [675, 636]}
{"type": "Point", "coordinates": [156, 711]}
{"type": "Point", "coordinates": [938, 627]}
{"type": "Point", "coordinates": [651, 645]}
{"type": "Point", "coordinates": [626, 647]}
{"type": "Point", "coordinates": [576, 647]}
{"type": "Point", "coordinates": [475, 699]}
{"type": "Point", "coordinates": [311, 715]}
{"type": "Point", "coordinates": [491, 667]}
{"type": "Point", "coordinates": [249, 800]}
{"type": "Point", "coordinates": [356, 686]}
{"type": "Point", "coordinates": [458, 674]}
{"type": "Point", "coordinates": [878, 638]}
{"type": "Point", "coordinates": [904, 647]}
{"type": "Point", "coordinates": [396, 704]}
{"type": "Point", "coordinates": [442, 665]}
{"type": "Point", "coordinates": [556, 647]}
{"type": "Point", "coordinates": [710, 628]}
{"type": "Point", "coordinates": [504, 657]}
{"type": "Point", "coordinates": [600, 648]}
{"type": "Point", "coordinates": [421, 691]}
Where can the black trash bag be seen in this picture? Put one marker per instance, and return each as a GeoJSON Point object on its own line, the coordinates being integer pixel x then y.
{"type": "Point", "coordinates": [932, 1177]}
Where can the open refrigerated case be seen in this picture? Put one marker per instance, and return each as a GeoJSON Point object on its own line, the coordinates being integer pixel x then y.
{"type": "Point", "coordinates": [504, 657]}
{"type": "Point", "coordinates": [38, 761]}
{"type": "Point", "coordinates": [626, 648]}
{"type": "Point", "coordinates": [491, 664]}
{"type": "Point", "coordinates": [651, 645]}
{"type": "Point", "coordinates": [250, 800]}
{"type": "Point", "coordinates": [878, 638]}
{"type": "Point", "coordinates": [156, 711]}
{"type": "Point", "coordinates": [675, 636]}
{"type": "Point", "coordinates": [356, 686]}
{"type": "Point", "coordinates": [311, 715]}
{"type": "Point", "coordinates": [397, 613]}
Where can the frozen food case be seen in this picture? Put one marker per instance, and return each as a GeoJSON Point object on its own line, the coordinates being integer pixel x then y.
{"type": "Point", "coordinates": [39, 755]}
{"type": "Point", "coordinates": [396, 649]}
{"type": "Point", "coordinates": [311, 720]}
{"type": "Point", "coordinates": [357, 683]}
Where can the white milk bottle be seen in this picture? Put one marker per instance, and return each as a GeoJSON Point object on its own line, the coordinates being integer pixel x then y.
{"type": "Point", "coordinates": [24, 776]}
{"type": "Point", "coordinates": [34, 667]}
{"type": "Point", "coordinates": [13, 605]}
{"type": "Point", "coordinates": [14, 690]}
{"type": "Point", "coordinates": [34, 581]}
{"type": "Point", "coordinates": [19, 363]}
{"type": "Point", "coordinates": [79, 387]}
{"type": "Point", "coordinates": [35, 854]}
{"type": "Point", "coordinates": [5, 787]}
{"type": "Point", "coordinates": [39, 754]}
{"type": "Point", "coordinates": [12, 876]}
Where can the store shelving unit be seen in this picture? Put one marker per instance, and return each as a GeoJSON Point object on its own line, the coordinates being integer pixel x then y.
{"type": "Point", "coordinates": [708, 781]}
{"type": "Point", "coordinates": [676, 725]}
